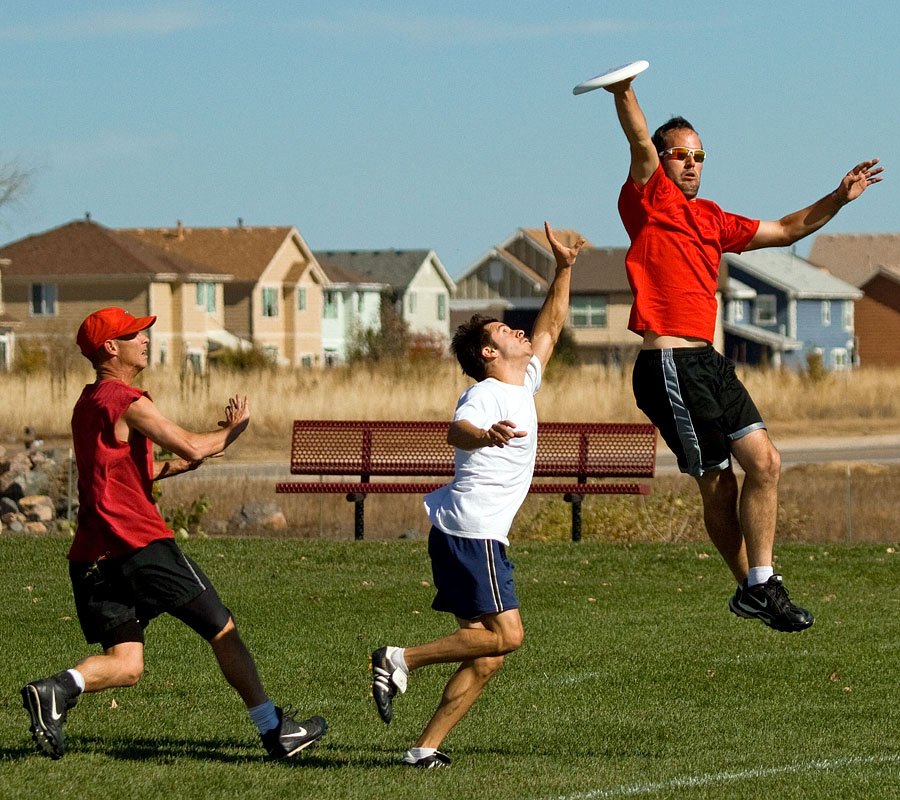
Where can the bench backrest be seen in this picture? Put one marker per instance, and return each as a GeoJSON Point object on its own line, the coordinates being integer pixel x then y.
{"type": "Point", "coordinates": [581, 450]}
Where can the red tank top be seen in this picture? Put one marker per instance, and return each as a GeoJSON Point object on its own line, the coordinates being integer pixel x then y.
{"type": "Point", "coordinates": [116, 513]}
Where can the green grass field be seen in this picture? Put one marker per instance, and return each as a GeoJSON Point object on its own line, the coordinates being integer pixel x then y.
{"type": "Point", "coordinates": [634, 680]}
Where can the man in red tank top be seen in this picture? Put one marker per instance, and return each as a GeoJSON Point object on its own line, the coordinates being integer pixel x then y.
{"type": "Point", "coordinates": [124, 564]}
{"type": "Point", "coordinates": [687, 389]}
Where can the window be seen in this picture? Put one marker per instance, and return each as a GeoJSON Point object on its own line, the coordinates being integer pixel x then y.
{"type": "Point", "coordinates": [765, 309]}
{"type": "Point", "coordinates": [163, 352]}
{"type": "Point", "coordinates": [442, 307]}
{"type": "Point", "coordinates": [206, 296]}
{"type": "Point", "coordinates": [330, 304]}
{"type": "Point", "coordinates": [411, 302]}
{"type": "Point", "coordinates": [589, 311]}
{"type": "Point", "coordinates": [839, 358]}
{"type": "Point", "coordinates": [269, 302]}
{"type": "Point", "coordinates": [306, 361]}
{"type": "Point", "coordinates": [737, 311]}
{"type": "Point", "coordinates": [271, 354]}
{"type": "Point", "coordinates": [43, 299]}
{"type": "Point", "coordinates": [495, 273]}
{"type": "Point", "coordinates": [847, 315]}
{"type": "Point", "coordinates": [301, 299]}
{"type": "Point", "coordinates": [195, 360]}
{"type": "Point", "coordinates": [826, 313]}
{"type": "Point", "coordinates": [360, 302]}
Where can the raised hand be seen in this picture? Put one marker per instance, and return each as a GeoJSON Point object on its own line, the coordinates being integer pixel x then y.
{"type": "Point", "coordinates": [855, 182]}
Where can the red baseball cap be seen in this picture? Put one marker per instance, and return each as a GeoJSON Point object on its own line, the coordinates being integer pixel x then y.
{"type": "Point", "coordinates": [106, 324]}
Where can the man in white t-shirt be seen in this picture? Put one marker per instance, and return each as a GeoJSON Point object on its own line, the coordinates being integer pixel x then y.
{"type": "Point", "coordinates": [494, 431]}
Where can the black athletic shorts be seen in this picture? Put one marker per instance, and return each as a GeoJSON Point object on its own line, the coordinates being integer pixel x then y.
{"type": "Point", "coordinates": [116, 598]}
{"type": "Point", "coordinates": [695, 399]}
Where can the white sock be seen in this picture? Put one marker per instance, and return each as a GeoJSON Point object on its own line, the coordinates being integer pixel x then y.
{"type": "Point", "coordinates": [264, 716]}
{"type": "Point", "coordinates": [78, 678]}
{"type": "Point", "coordinates": [758, 575]}
{"type": "Point", "coordinates": [395, 656]}
{"type": "Point", "coordinates": [420, 752]}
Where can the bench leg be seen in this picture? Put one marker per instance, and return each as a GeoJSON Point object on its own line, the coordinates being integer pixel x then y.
{"type": "Point", "coordinates": [575, 500]}
{"type": "Point", "coordinates": [359, 522]}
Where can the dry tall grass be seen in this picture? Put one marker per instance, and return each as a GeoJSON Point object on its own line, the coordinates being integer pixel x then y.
{"type": "Point", "coordinates": [428, 391]}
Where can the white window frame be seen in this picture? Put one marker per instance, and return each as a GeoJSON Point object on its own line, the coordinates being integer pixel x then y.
{"type": "Point", "coordinates": [847, 315]}
{"type": "Point", "coordinates": [594, 308]}
{"type": "Point", "coordinates": [411, 302]}
{"type": "Point", "coordinates": [330, 304]}
{"type": "Point", "coordinates": [758, 318]}
{"type": "Point", "coordinates": [301, 298]}
{"type": "Point", "coordinates": [270, 292]}
{"type": "Point", "coordinates": [826, 313]}
{"type": "Point", "coordinates": [442, 307]}
{"type": "Point", "coordinates": [206, 296]}
{"type": "Point", "coordinates": [49, 300]}
{"type": "Point", "coordinates": [840, 358]}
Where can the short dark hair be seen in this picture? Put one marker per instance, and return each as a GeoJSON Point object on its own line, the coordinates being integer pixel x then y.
{"type": "Point", "coordinates": [468, 341]}
{"type": "Point", "coordinates": [674, 124]}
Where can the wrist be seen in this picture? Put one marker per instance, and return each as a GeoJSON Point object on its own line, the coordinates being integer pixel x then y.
{"type": "Point", "coordinates": [839, 200]}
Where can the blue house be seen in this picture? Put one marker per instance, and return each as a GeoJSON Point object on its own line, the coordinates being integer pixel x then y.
{"type": "Point", "coordinates": [780, 310]}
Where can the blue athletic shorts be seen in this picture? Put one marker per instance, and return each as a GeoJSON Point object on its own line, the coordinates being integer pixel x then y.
{"type": "Point", "coordinates": [473, 577]}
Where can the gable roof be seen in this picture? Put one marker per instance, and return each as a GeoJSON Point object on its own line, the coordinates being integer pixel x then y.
{"type": "Point", "coordinates": [84, 247]}
{"type": "Point", "coordinates": [780, 268]}
{"type": "Point", "coordinates": [855, 256]}
{"type": "Point", "coordinates": [600, 270]}
{"type": "Point", "coordinates": [243, 251]}
{"type": "Point", "coordinates": [565, 236]}
{"type": "Point", "coordinates": [396, 268]}
{"type": "Point", "coordinates": [342, 275]}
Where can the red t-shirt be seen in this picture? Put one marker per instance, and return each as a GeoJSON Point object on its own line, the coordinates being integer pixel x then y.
{"type": "Point", "coordinates": [116, 513]}
{"type": "Point", "coordinates": [673, 261]}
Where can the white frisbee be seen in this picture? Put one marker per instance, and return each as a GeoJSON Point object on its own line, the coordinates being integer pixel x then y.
{"type": "Point", "coordinates": [611, 76]}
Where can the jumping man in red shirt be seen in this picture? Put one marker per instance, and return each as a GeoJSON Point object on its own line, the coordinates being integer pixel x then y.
{"type": "Point", "coordinates": [687, 389]}
{"type": "Point", "coordinates": [124, 564]}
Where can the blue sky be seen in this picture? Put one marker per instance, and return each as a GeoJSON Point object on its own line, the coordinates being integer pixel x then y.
{"type": "Point", "coordinates": [433, 125]}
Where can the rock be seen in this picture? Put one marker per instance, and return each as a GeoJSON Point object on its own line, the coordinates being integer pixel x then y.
{"type": "Point", "coordinates": [8, 506]}
{"type": "Point", "coordinates": [15, 526]}
{"type": "Point", "coordinates": [257, 514]}
{"type": "Point", "coordinates": [10, 518]}
{"type": "Point", "coordinates": [33, 482]}
{"type": "Point", "coordinates": [29, 502]}
{"type": "Point", "coordinates": [35, 528]}
{"type": "Point", "coordinates": [215, 527]}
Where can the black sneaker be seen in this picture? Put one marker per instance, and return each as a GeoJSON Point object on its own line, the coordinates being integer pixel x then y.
{"type": "Point", "coordinates": [290, 737]}
{"type": "Point", "coordinates": [435, 761]}
{"type": "Point", "coordinates": [387, 680]}
{"type": "Point", "coordinates": [47, 702]}
{"type": "Point", "coordinates": [770, 603]}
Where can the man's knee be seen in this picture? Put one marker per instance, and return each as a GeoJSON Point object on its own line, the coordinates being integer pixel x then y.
{"type": "Point", "coordinates": [765, 467]}
{"type": "Point", "coordinates": [486, 666]}
{"type": "Point", "coordinates": [510, 640]}
{"type": "Point", "coordinates": [129, 665]}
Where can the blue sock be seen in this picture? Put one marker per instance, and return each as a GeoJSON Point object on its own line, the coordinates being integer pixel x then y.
{"type": "Point", "coordinates": [264, 716]}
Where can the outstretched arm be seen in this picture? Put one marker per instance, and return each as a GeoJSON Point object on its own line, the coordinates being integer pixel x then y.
{"type": "Point", "coordinates": [787, 230]}
{"type": "Point", "coordinates": [144, 417]}
{"type": "Point", "coordinates": [644, 158]}
{"type": "Point", "coordinates": [467, 436]}
{"type": "Point", "coordinates": [555, 310]}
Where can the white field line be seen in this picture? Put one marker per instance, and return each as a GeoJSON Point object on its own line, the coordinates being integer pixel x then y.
{"type": "Point", "coordinates": [693, 782]}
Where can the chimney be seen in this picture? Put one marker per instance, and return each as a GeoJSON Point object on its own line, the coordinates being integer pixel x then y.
{"type": "Point", "coordinates": [180, 233]}
{"type": "Point", "coordinates": [240, 223]}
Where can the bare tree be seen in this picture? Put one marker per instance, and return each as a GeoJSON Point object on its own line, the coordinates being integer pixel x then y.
{"type": "Point", "coordinates": [14, 183]}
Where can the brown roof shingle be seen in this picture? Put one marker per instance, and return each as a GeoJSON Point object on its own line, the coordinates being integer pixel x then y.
{"type": "Point", "coordinates": [88, 248]}
{"type": "Point", "coordinates": [853, 257]}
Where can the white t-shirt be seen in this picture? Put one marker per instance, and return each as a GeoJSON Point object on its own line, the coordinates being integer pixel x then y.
{"type": "Point", "coordinates": [490, 483]}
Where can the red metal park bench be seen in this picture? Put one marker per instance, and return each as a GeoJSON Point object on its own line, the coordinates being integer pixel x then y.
{"type": "Point", "coordinates": [571, 452]}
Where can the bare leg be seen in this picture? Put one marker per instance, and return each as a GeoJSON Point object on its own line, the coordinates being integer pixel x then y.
{"type": "Point", "coordinates": [467, 683]}
{"type": "Point", "coordinates": [759, 494]}
{"type": "Point", "coordinates": [719, 492]}
{"type": "Point", "coordinates": [237, 665]}
{"type": "Point", "coordinates": [119, 665]}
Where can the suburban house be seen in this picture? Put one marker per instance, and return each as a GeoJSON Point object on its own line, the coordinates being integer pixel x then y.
{"type": "Point", "coordinates": [510, 281]}
{"type": "Point", "coordinates": [350, 306]}
{"type": "Point", "coordinates": [871, 262]}
{"type": "Point", "coordinates": [418, 285]}
{"type": "Point", "coordinates": [274, 292]}
{"type": "Point", "coordinates": [8, 325]}
{"type": "Point", "coordinates": [53, 280]}
{"type": "Point", "coordinates": [780, 310]}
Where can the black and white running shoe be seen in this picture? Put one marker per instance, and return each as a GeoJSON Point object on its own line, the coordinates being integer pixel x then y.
{"type": "Point", "coordinates": [290, 737]}
{"type": "Point", "coordinates": [770, 603]}
{"type": "Point", "coordinates": [388, 678]}
{"type": "Point", "coordinates": [47, 702]}
{"type": "Point", "coordinates": [436, 760]}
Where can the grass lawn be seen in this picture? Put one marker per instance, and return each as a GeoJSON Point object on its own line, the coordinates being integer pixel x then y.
{"type": "Point", "coordinates": [634, 680]}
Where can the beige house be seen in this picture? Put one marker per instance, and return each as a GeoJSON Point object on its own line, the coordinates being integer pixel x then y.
{"type": "Point", "coordinates": [273, 297]}
{"type": "Point", "coordinates": [510, 282]}
{"type": "Point", "coordinates": [53, 280]}
{"type": "Point", "coordinates": [8, 325]}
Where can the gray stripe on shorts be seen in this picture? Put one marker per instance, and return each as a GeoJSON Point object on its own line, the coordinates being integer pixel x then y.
{"type": "Point", "coordinates": [684, 426]}
{"type": "Point", "coordinates": [745, 430]}
{"type": "Point", "coordinates": [193, 572]}
{"type": "Point", "coordinates": [492, 572]}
